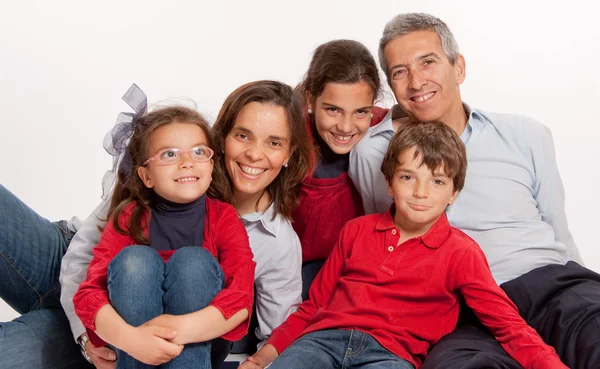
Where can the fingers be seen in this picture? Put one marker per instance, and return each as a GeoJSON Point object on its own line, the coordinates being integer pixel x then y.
{"type": "Point", "coordinates": [163, 332]}
{"type": "Point", "coordinates": [172, 350]}
{"type": "Point", "coordinates": [101, 363]}
{"type": "Point", "coordinates": [102, 352]}
{"type": "Point", "coordinates": [249, 365]}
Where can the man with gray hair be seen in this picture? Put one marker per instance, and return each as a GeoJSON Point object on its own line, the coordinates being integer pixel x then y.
{"type": "Point", "coordinates": [512, 203]}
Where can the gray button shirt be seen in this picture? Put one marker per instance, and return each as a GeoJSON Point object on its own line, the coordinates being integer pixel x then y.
{"type": "Point", "coordinates": [513, 200]}
{"type": "Point", "coordinates": [278, 275]}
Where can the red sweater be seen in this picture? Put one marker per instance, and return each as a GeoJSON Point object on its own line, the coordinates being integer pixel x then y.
{"type": "Point", "coordinates": [326, 204]}
{"type": "Point", "coordinates": [407, 296]}
{"type": "Point", "coordinates": [224, 237]}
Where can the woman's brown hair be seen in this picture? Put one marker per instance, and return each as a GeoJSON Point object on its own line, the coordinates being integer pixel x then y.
{"type": "Point", "coordinates": [129, 188]}
{"type": "Point", "coordinates": [285, 188]}
{"type": "Point", "coordinates": [340, 61]}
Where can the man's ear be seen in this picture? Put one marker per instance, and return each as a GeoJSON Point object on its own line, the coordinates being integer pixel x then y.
{"type": "Point", "coordinates": [390, 189]}
{"type": "Point", "coordinates": [145, 176]}
{"type": "Point", "coordinates": [460, 69]}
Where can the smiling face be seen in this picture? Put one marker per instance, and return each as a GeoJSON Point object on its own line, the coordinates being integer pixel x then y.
{"type": "Point", "coordinates": [420, 196]}
{"type": "Point", "coordinates": [343, 114]}
{"type": "Point", "coordinates": [424, 82]}
{"type": "Point", "coordinates": [186, 180]}
{"type": "Point", "coordinates": [256, 149]}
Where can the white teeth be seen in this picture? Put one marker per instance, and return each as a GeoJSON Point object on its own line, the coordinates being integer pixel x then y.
{"type": "Point", "coordinates": [423, 98]}
{"type": "Point", "coordinates": [187, 179]}
{"type": "Point", "coordinates": [250, 170]}
{"type": "Point", "coordinates": [342, 138]}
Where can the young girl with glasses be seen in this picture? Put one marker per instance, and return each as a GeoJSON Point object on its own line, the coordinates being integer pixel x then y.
{"type": "Point", "coordinates": [191, 280]}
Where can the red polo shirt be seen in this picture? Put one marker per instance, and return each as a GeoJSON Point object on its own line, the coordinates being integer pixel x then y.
{"type": "Point", "coordinates": [325, 205]}
{"type": "Point", "coordinates": [224, 237]}
{"type": "Point", "coordinates": [407, 296]}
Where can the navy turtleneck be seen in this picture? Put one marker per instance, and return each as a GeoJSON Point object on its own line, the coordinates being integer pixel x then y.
{"type": "Point", "coordinates": [173, 225]}
{"type": "Point", "coordinates": [332, 165]}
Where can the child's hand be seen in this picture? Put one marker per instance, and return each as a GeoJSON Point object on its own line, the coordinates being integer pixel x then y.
{"type": "Point", "coordinates": [251, 363]}
{"type": "Point", "coordinates": [174, 322]}
{"type": "Point", "coordinates": [150, 345]}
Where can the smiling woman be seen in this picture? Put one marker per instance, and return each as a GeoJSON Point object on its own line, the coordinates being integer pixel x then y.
{"type": "Point", "coordinates": [262, 154]}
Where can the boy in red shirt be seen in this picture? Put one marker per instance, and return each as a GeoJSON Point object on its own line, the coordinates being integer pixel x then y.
{"type": "Point", "coordinates": [392, 286]}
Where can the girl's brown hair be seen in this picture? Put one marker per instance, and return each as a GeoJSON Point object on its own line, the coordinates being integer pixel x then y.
{"type": "Point", "coordinates": [129, 188]}
{"type": "Point", "coordinates": [285, 188]}
{"type": "Point", "coordinates": [340, 61]}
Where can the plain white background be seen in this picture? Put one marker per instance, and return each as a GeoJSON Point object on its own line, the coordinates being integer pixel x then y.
{"type": "Point", "coordinates": [65, 64]}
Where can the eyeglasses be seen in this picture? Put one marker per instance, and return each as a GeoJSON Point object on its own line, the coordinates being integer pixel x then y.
{"type": "Point", "coordinates": [199, 154]}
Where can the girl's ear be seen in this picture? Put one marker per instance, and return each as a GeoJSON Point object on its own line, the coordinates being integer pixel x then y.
{"type": "Point", "coordinates": [309, 101]}
{"type": "Point", "coordinates": [145, 176]}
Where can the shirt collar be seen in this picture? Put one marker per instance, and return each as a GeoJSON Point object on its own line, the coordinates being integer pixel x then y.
{"type": "Point", "coordinates": [387, 123]}
{"type": "Point", "coordinates": [269, 224]}
{"type": "Point", "coordinates": [396, 112]}
{"type": "Point", "coordinates": [432, 239]}
{"type": "Point", "coordinates": [474, 121]}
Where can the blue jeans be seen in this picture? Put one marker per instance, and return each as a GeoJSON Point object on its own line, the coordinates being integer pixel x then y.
{"type": "Point", "coordinates": [142, 286]}
{"type": "Point", "coordinates": [31, 249]}
{"type": "Point", "coordinates": [337, 348]}
{"type": "Point", "coordinates": [310, 269]}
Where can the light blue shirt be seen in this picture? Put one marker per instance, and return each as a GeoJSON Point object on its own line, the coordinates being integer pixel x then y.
{"type": "Point", "coordinates": [513, 201]}
{"type": "Point", "coordinates": [278, 275]}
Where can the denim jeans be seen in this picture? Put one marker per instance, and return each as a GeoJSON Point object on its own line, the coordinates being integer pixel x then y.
{"type": "Point", "coordinates": [337, 348]}
{"type": "Point", "coordinates": [31, 249]}
{"type": "Point", "coordinates": [141, 287]}
{"type": "Point", "coordinates": [310, 269]}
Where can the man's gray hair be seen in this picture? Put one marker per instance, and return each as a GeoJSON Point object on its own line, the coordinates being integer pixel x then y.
{"type": "Point", "coordinates": [404, 24]}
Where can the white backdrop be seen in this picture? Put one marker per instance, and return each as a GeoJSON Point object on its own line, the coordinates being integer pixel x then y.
{"type": "Point", "coordinates": [64, 64]}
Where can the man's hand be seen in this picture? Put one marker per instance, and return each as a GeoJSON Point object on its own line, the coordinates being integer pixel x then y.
{"type": "Point", "coordinates": [173, 322]}
{"type": "Point", "coordinates": [102, 357]}
{"type": "Point", "coordinates": [151, 345]}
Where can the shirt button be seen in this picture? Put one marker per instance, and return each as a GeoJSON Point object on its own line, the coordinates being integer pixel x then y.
{"type": "Point", "coordinates": [393, 231]}
{"type": "Point", "coordinates": [390, 248]}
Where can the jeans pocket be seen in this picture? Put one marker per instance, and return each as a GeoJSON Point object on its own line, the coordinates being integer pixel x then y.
{"type": "Point", "coordinates": [63, 227]}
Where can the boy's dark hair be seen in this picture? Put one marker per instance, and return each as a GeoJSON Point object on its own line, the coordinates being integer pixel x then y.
{"type": "Point", "coordinates": [285, 188]}
{"type": "Point", "coordinates": [129, 186]}
{"type": "Point", "coordinates": [340, 61]}
{"type": "Point", "coordinates": [435, 143]}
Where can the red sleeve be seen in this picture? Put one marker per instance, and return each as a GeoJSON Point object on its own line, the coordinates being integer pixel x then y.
{"type": "Point", "coordinates": [320, 293]}
{"type": "Point", "coordinates": [235, 258]}
{"type": "Point", "coordinates": [92, 293]}
{"type": "Point", "coordinates": [497, 312]}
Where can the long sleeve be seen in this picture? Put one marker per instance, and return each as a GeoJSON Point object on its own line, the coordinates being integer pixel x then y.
{"type": "Point", "coordinates": [320, 294]}
{"type": "Point", "coordinates": [93, 293]}
{"type": "Point", "coordinates": [75, 263]}
{"type": "Point", "coordinates": [279, 286]}
{"type": "Point", "coordinates": [235, 258]}
{"type": "Point", "coordinates": [548, 189]}
{"type": "Point", "coordinates": [497, 312]}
